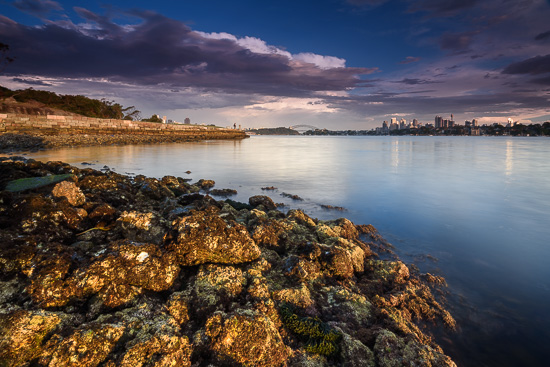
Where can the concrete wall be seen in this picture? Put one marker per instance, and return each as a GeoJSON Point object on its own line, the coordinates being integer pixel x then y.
{"type": "Point", "coordinates": [56, 124]}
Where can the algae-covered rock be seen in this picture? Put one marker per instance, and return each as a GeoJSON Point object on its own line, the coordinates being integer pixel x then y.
{"type": "Point", "coordinates": [30, 183]}
{"type": "Point", "coordinates": [246, 338]}
{"type": "Point", "coordinates": [263, 200]}
{"type": "Point", "coordinates": [124, 270]}
{"type": "Point", "coordinates": [143, 227]}
{"type": "Point", "coordinates": [22, 333]}
{"type": "Point", "coordinates": [204, 237]}
{"type": "Point", "coordinates": [354, 353]}
{"type": "Point", "coordinates": [85, 347]}
{"type": "Point", "coordinates": [178, 307]}
{"type": "Point", "coordinates": [393, 351]}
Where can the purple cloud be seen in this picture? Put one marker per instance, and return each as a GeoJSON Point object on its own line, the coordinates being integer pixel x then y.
{"type": "Point", "coordinates": [442, 7]}
{"type": "Point", "coordinates": [534, 66]}
{"type": "Point", "coordinates": [39, 8]}
{"type": "Point", "coordinates": [410, 59]}
{"type": "Point", "coordinates": [456, 42]}
{"type": "Point", "coordinates": [543, 36]}
{"type": "Point", "coordinates": [159, 51]}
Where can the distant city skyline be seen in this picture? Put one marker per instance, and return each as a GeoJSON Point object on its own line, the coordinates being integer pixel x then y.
{"type": "Point", "coordinates": [336, 64]}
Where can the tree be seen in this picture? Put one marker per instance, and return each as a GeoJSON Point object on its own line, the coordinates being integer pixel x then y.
{"type": "Point", "coordinates": [4, 58]}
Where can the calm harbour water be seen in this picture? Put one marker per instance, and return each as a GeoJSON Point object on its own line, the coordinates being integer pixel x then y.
{"type": "Point", "coordinates": [480, 206]}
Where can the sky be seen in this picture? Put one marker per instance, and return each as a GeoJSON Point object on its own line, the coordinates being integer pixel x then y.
{"type": "Point", "coordinates": [335, 64]}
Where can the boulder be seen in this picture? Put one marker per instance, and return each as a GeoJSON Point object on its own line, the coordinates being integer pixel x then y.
{"type": "Point", "coordinates": [266, 201]}
{"type": "Point", "coordinates": [22, 333]}
{"type": "Point", "coordinates": [68, 190]}
{"type": "Point", "coordinates": [204, 237]}
{"type": "Point", "coordinates": [246, 338]}
{"type": "Point", "coordinates": [87, 346]}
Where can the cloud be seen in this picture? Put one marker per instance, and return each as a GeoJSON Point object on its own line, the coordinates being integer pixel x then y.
{"type": "Point", "coordinates": [456, 42]}
{"type": "Point", "coordinates": [410, 59]}
{"type": "Point", "coordinates": [366, 3]}
{"type": "Point", "coordinates": [39, 8]}
{"type": "Point", "coordinates": [442, 7]}
{"type": "Point", "coordinates": [543, 36]}
{"type": "Point", "coordinates": [323, 62]}
{"type": "Point", "coordinates": [415, 81]}
{"type": "Point", "coordinates": [31, 81]}
{"type": "Point", "coordinates": [534, 66]}
{"type": "Point", "coordinates": [162, 51]}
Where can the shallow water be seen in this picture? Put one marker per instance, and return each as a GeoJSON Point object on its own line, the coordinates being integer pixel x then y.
{"type": "Point", "coordinates": [480, 206]}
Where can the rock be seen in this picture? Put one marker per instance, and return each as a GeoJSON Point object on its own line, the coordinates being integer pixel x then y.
{"type": "Point", "coordinates": [223, 192]}
{"type": "Point", "coordinates": [178, 307]}
{"type": "Point", "coordinates": [143, 227]}
{"type": "Point", "coordinates": [266, 201]}
{"type": "Point", "coordinates": [393, 351]}
{"type": "Point", "coordinates": [246, 338]}
{"type": "Point", "coordinates": [290, 196]}
{"type": "Point", "coordinates": [204, 237]}
{"type": "Point", "coordinates": [70, 191]}
{"type": "Point", "coordinates": [221, 277]}
{"type": "Point", "coordinates": [102, 213]}
{"type": "Point", "coordinates": [125, 270]}
{"type": "Point", "coordinates": [354, 353]}
{"type": "Point", "coordinates": [205, 184]}
{"type": "Point", "coordinates": [299, 297]}
{"type": "Point", "coordinates": [22, 333]}
{"type": "Point", "coordinates": [86, 347]}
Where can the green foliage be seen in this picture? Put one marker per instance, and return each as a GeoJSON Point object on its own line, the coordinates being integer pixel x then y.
{"type": "Point", "coordinates": [319, 337]}
{"type": "Point", "coordinates": [23, 184]}
{"type": "Point", "coordinates": [153, 118]}
{"type": "Point", "coordinates": [77, 104]}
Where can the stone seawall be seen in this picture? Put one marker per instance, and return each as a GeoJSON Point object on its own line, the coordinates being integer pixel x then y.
{"type": "Point", "coordinates": [57, 124]}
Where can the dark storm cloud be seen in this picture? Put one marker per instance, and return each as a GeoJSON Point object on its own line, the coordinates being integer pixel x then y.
{"type": "Point", "coordinates": [535, 65]}
{"type": "Point", "coordinates": [543, 81]}
{"type": "Point", "coordinates": [543, 36]}
{"type": "Point", "coordinates": [160, 50]}
{"type": "Point", "coordinates": [39, 8]}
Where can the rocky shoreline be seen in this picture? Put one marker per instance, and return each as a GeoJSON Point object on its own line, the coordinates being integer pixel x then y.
{"type": "Point", "coordinates": [10, 143]}
{"type": "Point", "coordinates": [102, 269]}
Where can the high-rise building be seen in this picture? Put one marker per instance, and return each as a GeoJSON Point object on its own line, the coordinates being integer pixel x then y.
{"type": "Point", "coordinates": [187, 121]}
{"type": "Point", "coordinates": [403, 124]}
{"type": "Point", "coordinates": [415, 122]}
{"type": "Point", "coordinates": [438, 121]}
{"type": "Point", "coordinates": [475, 123]}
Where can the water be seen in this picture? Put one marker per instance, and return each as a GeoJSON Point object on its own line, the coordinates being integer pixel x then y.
{"type": "Point", "coordinates": [480, 206]}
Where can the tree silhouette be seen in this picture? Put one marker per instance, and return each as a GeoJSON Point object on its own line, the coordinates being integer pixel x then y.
{"type": "Point", "coordinates": [5, 59]}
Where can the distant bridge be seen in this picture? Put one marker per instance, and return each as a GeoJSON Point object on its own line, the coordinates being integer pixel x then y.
{"type": "Point", "coordinates": [303, 128]}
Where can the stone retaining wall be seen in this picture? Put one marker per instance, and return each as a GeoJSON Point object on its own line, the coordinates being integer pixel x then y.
{"type": "Point", "coordinates": [56, 124]}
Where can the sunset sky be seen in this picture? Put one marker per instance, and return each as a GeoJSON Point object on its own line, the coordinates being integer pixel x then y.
{"type": "Point", "coordinates": [336, 64]}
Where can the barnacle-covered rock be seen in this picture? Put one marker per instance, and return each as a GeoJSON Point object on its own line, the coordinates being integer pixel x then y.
{"type": "Point", "coordinates": [246, 338]}
{"type": "Point", "coordinates": [204, 237]}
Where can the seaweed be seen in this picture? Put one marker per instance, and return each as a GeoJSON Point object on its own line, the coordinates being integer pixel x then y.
{"type": "Point", "coordinates": [319, 337]}
{"type": "Point", "coordinates": [29, 183]}
{"type": "Point", "coordinates": [238, 205]}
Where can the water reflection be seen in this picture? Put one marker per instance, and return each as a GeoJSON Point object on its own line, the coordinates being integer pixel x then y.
{"type": "Point", "coordinates": [479, 205]}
